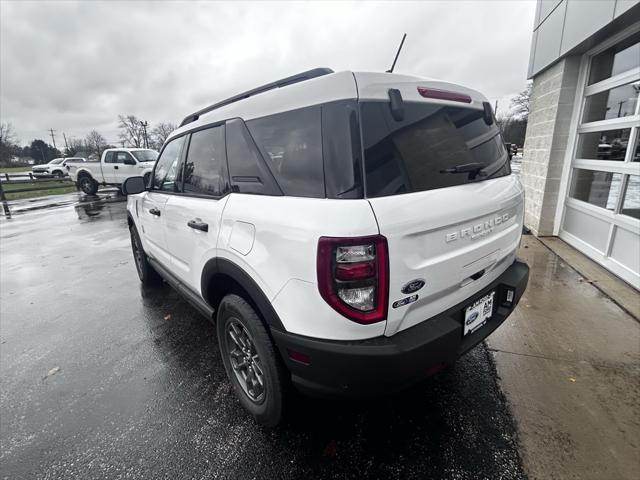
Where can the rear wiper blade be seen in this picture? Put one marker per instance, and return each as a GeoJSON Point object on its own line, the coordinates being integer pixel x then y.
{"type": "Point", "coordinates": [484, 173]}
{"type": "Point", "coordinates": [471, 168]}
{"type": "Point", "coordinates": [465, 168]}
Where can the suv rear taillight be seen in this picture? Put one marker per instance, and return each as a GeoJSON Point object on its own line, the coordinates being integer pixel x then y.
{"type": "Point", "coordinates": [353, 276]}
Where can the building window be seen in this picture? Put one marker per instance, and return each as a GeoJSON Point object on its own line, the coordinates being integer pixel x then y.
{"type": "Point", "coordinates": [615, 60]}
{"type": "Point", "coordinates": [597, 188]}
{"type": "Point", "coordinates": [631, 201]}
{"type": "Point", "coordinates": [604, 145]}
{"type": "Point", "coordinates": [614, 103]}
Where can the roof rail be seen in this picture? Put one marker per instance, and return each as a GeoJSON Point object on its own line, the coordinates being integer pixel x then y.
{"type": "Point", "coordinates": [300, 77]}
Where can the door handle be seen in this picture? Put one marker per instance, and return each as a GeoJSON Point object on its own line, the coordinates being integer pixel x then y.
{"type": "Point", "coordinates": [197, 225]}
{"type": "Point", "coordinates": [115, 167]}
{"type": "Point", "coordinates": [154, 211]}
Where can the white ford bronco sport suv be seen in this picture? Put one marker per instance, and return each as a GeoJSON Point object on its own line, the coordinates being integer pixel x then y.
{"type": "Point", "coordinates": [349, 233]}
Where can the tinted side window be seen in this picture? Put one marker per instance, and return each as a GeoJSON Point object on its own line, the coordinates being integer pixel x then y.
{"type": "Point", "coordinates": [203, 169]}
{"type": "Point", "coordinates": [291, 142]}
{"type": "Point", "coordinates": [247, 170]}
{"type": "Point", "coordinates": [166, 171]}
{"type": "Point", "coordinates": [108, 158]}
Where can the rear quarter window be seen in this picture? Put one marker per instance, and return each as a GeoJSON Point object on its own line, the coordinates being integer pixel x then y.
{"type": "Point", "coordinates": [410, 155]}
{"type": "Point", "coordinates": [291, 143]}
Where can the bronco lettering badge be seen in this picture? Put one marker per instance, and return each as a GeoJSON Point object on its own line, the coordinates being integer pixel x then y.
{"type": "Point", "coordinates": [478, 230]}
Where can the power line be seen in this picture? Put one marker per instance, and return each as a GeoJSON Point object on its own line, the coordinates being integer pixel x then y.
{"type": "Point", "coordinates": [145, 124]}
{"type": "Point", "coordinates": [53, 138]}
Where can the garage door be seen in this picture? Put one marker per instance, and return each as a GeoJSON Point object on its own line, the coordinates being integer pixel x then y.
{"type": "Point", "coordinates": [602, 209]}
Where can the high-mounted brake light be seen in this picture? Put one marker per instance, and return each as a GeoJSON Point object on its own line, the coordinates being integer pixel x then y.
{"type": "Point", "coordinates": [353, 276]}
{"type": "Point", "coordinates": [443, 95]}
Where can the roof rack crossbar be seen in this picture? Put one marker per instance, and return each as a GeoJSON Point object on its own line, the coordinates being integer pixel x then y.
{"type": "Point", "coordinates": [300, 77]}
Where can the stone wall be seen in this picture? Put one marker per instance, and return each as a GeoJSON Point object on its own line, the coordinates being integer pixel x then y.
{"type": "Point", "coordinates": [551, 107]}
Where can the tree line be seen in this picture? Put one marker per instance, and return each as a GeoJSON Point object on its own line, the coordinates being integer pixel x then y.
{"type": "Point", "coordinates": [513, 123]}
{"type": "Point", "coordinates": [133, 132]}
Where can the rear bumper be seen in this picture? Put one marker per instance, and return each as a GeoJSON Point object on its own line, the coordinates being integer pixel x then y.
{"type": "Point", "coordinates": [387, 364]}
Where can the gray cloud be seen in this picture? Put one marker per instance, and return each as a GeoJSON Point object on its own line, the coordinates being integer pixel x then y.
{"type": "Point", "coordinates": [74, 66]}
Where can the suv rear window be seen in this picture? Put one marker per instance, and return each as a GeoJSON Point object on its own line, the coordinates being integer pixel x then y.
{"type": "Point", "coordinates": [409, 155]}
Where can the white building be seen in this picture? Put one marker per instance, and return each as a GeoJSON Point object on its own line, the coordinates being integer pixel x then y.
{"type": "Point", "coordinates": [581, 168]}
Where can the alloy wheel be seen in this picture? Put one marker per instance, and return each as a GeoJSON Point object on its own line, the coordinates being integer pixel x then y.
{"type": "Point", "coordinates": [245, 361]}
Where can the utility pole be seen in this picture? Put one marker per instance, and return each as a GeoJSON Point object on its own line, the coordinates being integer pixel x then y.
{"type": "Point", "coordinates": [66, 145]}
{"type": "Point", "coordinates": [145, 124]}
{"type": "Point", "coordinates": [53, 138]}
{"type": "Point", "coordinates": [495, 110]}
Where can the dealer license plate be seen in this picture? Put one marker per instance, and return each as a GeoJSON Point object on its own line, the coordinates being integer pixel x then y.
{"type": "Point", "coordinates": [476, 315]}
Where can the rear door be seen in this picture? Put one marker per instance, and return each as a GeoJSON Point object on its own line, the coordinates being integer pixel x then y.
{"type": "Point", "coordinates": [192, 218]}
{"type": "Point", "coordinates": [165, 182]}
{"type": "Point", "coordinates": [454, 230]}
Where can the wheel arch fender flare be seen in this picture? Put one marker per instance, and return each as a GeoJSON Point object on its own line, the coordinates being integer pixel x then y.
{"type": "Point", "coordinates": [221, 267]}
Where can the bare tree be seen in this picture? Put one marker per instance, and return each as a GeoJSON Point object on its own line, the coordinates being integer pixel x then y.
{"type": "Point", "coordinates": [95, 142]}
{"type": "Point", "coordinates": [7, 141]}
{"type": "Point", "coordinates": [160, 133]}
{"type": "Point", "coordinates": [7, 135]}
{"type": "Point", "coordinates": [74, 146]}
{"type": "Point", "coordinates": [131, 130]}
{"type": "Point", "coordinates": [520, 103]}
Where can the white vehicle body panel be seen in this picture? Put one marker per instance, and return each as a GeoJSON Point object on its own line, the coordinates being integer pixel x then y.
{"type": "Point", "coordinates": [282, 260]}
{"type": "Point", "coordinates": [190, 249]}
{"type": "Point", "coordinates": [431, 238]}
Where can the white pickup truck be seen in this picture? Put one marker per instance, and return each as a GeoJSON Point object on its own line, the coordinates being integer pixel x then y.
{"type": "Point", "coordinates": [115, 166]}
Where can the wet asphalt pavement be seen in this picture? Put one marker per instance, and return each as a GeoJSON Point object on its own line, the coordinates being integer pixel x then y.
{"type": "Point", "coordinates": [101, 378]}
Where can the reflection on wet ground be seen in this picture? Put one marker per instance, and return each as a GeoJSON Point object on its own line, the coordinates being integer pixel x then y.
{"type": "Point", "coordinates": [102, 378]}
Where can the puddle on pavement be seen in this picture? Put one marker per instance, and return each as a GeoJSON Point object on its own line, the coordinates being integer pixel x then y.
{"type": "Point", "coordinates": [87, 206]}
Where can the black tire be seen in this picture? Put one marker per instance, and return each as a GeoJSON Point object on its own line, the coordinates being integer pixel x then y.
{"type": "Point", "coordinates": [264, 401]}
{"type": "Point", "coordinates": [146, 273]}
{"type": "Point", "coordinates": [88, 185]}
{"type": "Point", "coordinates": [58, 174]}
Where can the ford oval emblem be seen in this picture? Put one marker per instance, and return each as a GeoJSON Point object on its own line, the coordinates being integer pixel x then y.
{"type": "Point", "coordinates": [413, 286]}
{"type": "Point", "coordinates": [472, 318]}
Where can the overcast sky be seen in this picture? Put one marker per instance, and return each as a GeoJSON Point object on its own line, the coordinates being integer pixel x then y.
{"type": "Point", "coordinates": [74, 66]}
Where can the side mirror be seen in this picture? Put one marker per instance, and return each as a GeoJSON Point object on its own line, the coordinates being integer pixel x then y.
{"type": "Point", "coordinates": [133, 185]}
{"type": "Point", "coordinates": [129, 161]}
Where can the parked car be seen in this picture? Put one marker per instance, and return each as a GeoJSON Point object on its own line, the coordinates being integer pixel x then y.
{"type": "Point", "coordinates": [114, 167]}
{"type": "Point", "coordinates": [56, 167]}
{"type": "Point", "coordinates": [350, 233]}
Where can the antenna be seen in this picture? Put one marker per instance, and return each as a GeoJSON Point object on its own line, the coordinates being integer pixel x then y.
{"type": "Point", "coordinates": [397, 54]}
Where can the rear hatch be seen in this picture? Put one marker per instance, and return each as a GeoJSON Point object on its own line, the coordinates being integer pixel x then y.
{"type": "Point", "coordinates": [456, 231]}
